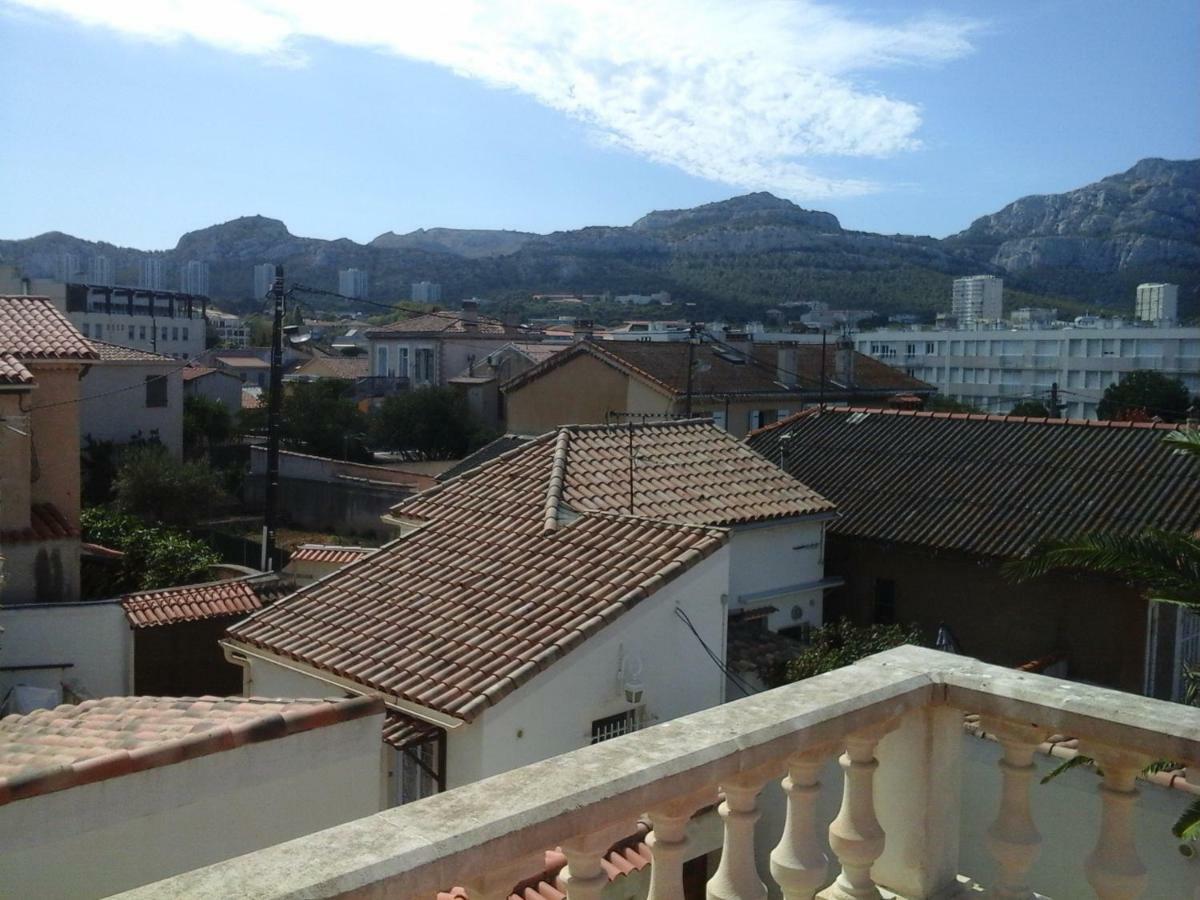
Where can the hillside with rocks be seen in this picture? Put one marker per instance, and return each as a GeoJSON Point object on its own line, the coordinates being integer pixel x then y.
{"type": "Point", "coordinates": [1090, 246]}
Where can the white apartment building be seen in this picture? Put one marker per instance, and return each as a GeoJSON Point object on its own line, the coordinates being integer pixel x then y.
{"type": "Point", "coordinates": [426, 292]}
{"type": "Point", "coordinates": [352, 283]}
{"type": "Point", "coordinates": [193, 278]}
{"type": "Point", "coordinates": [995, 370]}
{"type": "Point", "coordinates": [153, 274]}
{"type": "Point", "coordinates": [1157, 303]}
{"type": "Point", "coordinates": [264, 278]}
{"type": "Point", "coordinates": [230, 330]}
{"type": "Point", "coordinates": [977, 298]}
{"type": "Point", "coordinates": [166, 322]}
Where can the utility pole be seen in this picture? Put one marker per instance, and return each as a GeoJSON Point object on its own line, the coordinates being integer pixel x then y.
{"type": "Point", "coordinates": [1055, 406]}
{"type": "Point", "coordinates": [274, 402]}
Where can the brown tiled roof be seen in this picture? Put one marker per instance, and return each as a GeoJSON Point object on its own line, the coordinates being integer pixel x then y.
{"type": "Point", "coordinates": [53, 749]}
{"type": "Point", "coordinates": [329, 553]}
{"type": "Point", "coordinates": [46, 523]}
{"type": "Point", "coordinates": [117, 353]}
{"type": "Point", "coordinates": [402, 731]}
{"type": "Point", "coordinates": [192, 602]}
{"type": "Point", "coordinates": [32, 328]}
{"type": "Point", "coordinates": [346, 367]}
{"type": "Point", "coordinates": [442, 322]}
{"type": "Point", "coordinates": [689, 472]}
{"type": "Point", "coordinates": [192, 372]}
{"type": "Point", "coordinates": [12, 372]}
{"type": "Point", "coordinates": [715, 373]}
{"type": "Point", "coordinates": [990, 485]}
{"type": "Point", "coordinates": [500, 580]}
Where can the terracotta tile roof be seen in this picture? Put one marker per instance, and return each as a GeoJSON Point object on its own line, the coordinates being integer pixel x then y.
{"type": "Point", "coordinates": [117, 353]}
{"type": "Point", "coordinates": [990, 485]}
{"type": "Point", "coordinates": [500, 580]}
{"type": "Point", "coordinates": [53, 749]}
{"type": "Point", "coordinates": [12, 372]}
{"type": "Point", "coordinates": [329, 553]}
{"type": "Point", "coordinates": [442, 322]}
{"type": "Point", "coordinates": [719, 370]}
{"type": "Point", "coordinates": [193, 372]}
{"type": "Point", "coordinates": [485, 453]}
{"type": "Point", "coordinates": [46, 523]}
{"type": "Point", "coordinates": [192, 602]}
{"type": "Point", "coordinates": [402, 731]}
{"type": "Point", "coordinates": [345, 367]}
{"type": "Point", "coordinates": [32, 328]}
{"type": "Point", "coordinates": [688, 471]}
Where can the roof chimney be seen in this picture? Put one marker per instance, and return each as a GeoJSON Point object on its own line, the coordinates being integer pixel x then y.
{"type": "Point", "coordinates": [843, 361]}
{"type": "Point", "coordinates": [785, 368]}
{"type": "Point", "coordinates": [470, 314]}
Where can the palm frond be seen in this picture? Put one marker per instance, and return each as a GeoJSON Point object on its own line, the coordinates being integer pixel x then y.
{"type": "Point", "coordinates": [1073, 763]}
{"type": "Point", "coordinates": [1165, 564]}
{"type": "Point", "coordinates": [1185, 440]}
{"type": "Point", "coordinates": [1187, 827]}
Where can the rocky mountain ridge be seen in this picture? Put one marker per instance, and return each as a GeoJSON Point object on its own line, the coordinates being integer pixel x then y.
{"type": "Point", "coordinates": [1092, 244]}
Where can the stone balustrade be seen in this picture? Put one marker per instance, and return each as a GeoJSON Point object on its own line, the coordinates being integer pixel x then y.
{"type": "Point", "coordinates": [894, 722]}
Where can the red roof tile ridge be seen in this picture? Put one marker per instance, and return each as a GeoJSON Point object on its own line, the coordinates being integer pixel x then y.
{"type": "Point", "coordinates": [988, 417]}
{"type": "Point", "coordinates": [784, 422]}
{"type": "Point", "coordinates": [281, 717]}
{"type": "Point", "coordinates": [558, 476]}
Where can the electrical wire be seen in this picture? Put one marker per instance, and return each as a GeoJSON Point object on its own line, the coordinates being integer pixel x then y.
{"type": "Point", "coordinates": [733, 677]}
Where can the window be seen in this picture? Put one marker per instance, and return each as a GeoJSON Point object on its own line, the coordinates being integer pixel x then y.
{"type": "Point", "coordinates": [885, 601]}
{"type": "Point", "coordinates": [156, 390]}
{"type": "Point", "coordinates": [614, 726]}
{"type": "Point", "coordinates": [423, 368]}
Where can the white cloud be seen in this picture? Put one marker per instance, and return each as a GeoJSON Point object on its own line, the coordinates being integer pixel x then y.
{"type": "Point", "coordinates": [737, 91]}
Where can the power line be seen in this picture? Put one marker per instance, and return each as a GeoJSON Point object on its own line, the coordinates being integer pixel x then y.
{"type": "Point", "coordinates": [734, 678]}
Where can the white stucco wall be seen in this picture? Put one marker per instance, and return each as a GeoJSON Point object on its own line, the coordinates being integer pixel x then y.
{"type": "Point", "coordinates": [95, 636]}
{"type": "Point", "coordinates": [113, 404]}
{"type": "Point", "coordinates": [772, 557]}
{"type": "Point", "coordinates": [552, 713]}
{"type": "Point", "coordinates": [97, 839]}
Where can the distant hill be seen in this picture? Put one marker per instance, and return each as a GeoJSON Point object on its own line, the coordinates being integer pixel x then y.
{"type": "Point", "coordinates": [1089, 246]}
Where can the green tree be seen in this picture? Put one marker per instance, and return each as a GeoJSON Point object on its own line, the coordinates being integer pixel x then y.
{"type": "Point", "coordinates": [156, 488]}
{"type": "Point", "coordinates": [842, 643]}
{"type": "Point", "coordinates": [1143, 395]}
{"type": "Point", "coordinates": [155, 557]}
{"type": "Point", "coordinates": [1032, 408]}
{"type": "Point", "coordinates": [206, 423]}
{"type": "Point", "coordinates": [433, 422]}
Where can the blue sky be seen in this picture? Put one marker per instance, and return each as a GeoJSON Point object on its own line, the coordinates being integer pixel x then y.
{"type": "Point", "coordinates": [136, 123]}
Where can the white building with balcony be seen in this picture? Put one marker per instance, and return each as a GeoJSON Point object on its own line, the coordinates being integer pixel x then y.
{"type": "Point", "coordinates": [995, 370]}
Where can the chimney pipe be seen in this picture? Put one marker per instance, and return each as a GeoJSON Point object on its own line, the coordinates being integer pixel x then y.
{"type": "Point", "coordinates": [843, 361]}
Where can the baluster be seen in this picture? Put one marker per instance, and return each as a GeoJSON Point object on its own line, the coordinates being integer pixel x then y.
{"type": "Point", "coordinates": [499, 880]}
{"type": "Point", "coordinates": [736, 877]}
{"type": "Point", "coordinates": [855, 835]}
{"type": "Point", "coordinates": [668, 844]}
{"type": "Point", "coordinates": [1013, 839]}
{"type": "Point", "coordinates": [584, 877]}
{"type": "Point", "coordinates": [1113, 869]}
{"type": "Point", "coordinates": [799, 863]}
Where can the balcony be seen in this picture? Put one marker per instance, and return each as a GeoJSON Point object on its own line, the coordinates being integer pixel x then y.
{"type": "Point", "coordinates": [893, 722]}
